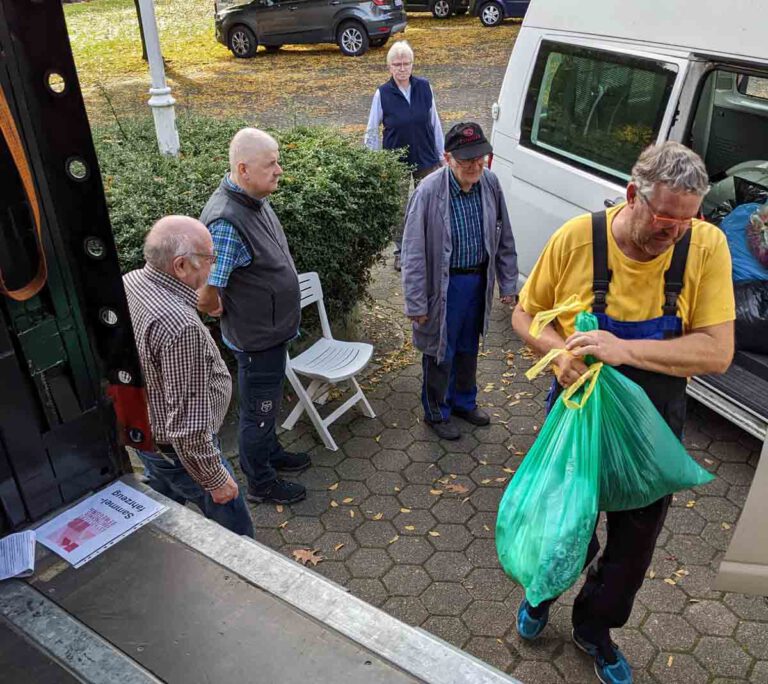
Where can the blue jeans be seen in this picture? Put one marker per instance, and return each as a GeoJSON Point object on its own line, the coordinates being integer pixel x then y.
{"type": "Point", "coordinates": [260, 384]}
{"type": "Point", "coordinates": [168, 476]}
{"type": "Point", "coordinates": [453, 383]}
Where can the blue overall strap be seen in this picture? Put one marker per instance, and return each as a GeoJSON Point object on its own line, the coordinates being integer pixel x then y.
{"type": "Point", "coordinates": [673, 276]}
{"type": "Point", "coordinates": [601, 275]}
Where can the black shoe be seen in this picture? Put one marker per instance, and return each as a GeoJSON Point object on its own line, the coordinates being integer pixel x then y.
{"type": "Point", "coordinates": [476, 416]}
{"type": "Point", "coordinates": [288, 462]}
{"type": "Point", "coordinates": [278, 491]}
{"type": "Point", "coordinates": [397, 263]}
{"type": "Point", "coordinates": [445, 430]}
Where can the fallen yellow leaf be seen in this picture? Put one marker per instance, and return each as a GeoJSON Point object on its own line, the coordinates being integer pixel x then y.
{"type": "Point", "coordinates": [378, 516]}
{"type": "Point", "coordinates": [347, 500]}
{"type": "Point", "coordinates": [432, 533]}
{"type": "Point", "coordinates": [334, 503]}
{"type": "Point", "coordinates": [405, 510]}
{"type": "Point", "coordinates": [338, 547]}
{"type": "Point", "coordinates": [410, 528]}
{"type": "Point", "coordinates": [334, 486]}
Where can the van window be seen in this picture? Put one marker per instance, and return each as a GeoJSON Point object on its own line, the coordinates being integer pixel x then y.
{"type": "Point", "coordinates": [729, 132]}
{"type": "Point", "coordinates": [596, 108]}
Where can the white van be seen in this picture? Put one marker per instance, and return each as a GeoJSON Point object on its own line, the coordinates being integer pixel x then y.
{"type": "Point", "coordinates": [588, 86]}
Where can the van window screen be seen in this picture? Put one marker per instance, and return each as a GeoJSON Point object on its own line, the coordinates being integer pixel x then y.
{"type": "Point", "coordinates": [595, 108]}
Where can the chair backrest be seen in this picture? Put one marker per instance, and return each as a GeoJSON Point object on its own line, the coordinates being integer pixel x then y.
{"type": "Point", "coordinates": [311, 292]}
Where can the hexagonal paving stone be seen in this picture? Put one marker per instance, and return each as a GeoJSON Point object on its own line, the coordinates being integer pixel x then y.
{"type": "Point", "coordinates": [491, 453]}
{"type": "Point", "coordinates": [669, 632]}
{"type": "Point", "coordinates": [722, 656]}
{"type": "Point", "coordinates": [452, 510]}
{"type": "Point", "coordinates": [759, 673]}
{"type": "Point", "coordinates": [448, 566]}
{"type": "Point", "coordinates": [711, 617]}
{"type": "Point", "coordinates": [486, 498]}
{"type": "Point", "coordinates": [451, 629]}
{"type": "Point", "coordinates": [317, 502]}
{"type": "Point", "coordinates": [417, 496]}
{"type": "Point", "coordinates": [736, 473]}
{"type": "Point", "coordinates": [376, 533]}
{"type": "Point", "coordinates": [737, 495]}
{"type": "Point", "coordinates": [417, 522]}
{"type": "Point", "coordinates": [732, 452]}
{"type": "Point", "coordinates": [718, 535]}
{"type": "Point", "coordinates": [678, 668]}
{"type": "Point", "coordinates": [467, 442]}
{"type": "Point", "coordinates": [532, 672]}
{"type": "Point", "coordinates": [347, 489]}
{"type": "Point", "coordinates": [362, 426]}
{"type": "Point", "coordinates": [754, 637]}
{"type": "Point", "coordinates": [385, 483]}
{"type": "Point", "coordinates": [451, 537]}
{"type": "Point", "coordinates": [748, 607]}
{"type": "Point", "coordinates": [690, 550]}
{"type": "Point", "coordinates": [335, 571]}
{"type": "Point", "coordinates": [575, 666]}
{"type": "Point", "coordinates": [268, 536]}
{"type": "Point", "coordinates": [490, 476]}
{"type": "Point", "coordinates": [486, 584]}
{"type": "Point", "coordinates": [458, 464]}
{"type": "Point", "coordinates": [414, 550]}
{"type": "Point", "coordinates": [684, 521]}
{"type": "Point", "coordinates": [422, 473]}
{"type": "Point", "coordinates": [318, 478]}
{"type": "Point", "coordinates": [429, 452]}
{"type": "Point", "coordinates": [699, 582]}
{"type": "Point", "coordinates": [406, 608]}
{"type": "Point", "coordinates": [395, 438]}
{"type": "Point", "coordinates": [328, 542]}
{"type": "Point", "coordinates": [398, 419]}
{"type": "Point", "coordinates": [482, 553]}
{"type": "Point", "coordinates": [387, 507]}
{"type": "Point", "coordinates": [638, 650]}
{"type": "Point", "coordinates": [658, 596]}
{"type": "Point", "coordinates": [406, 580]}
{"type": "Point", "coordinates": [302, 530]}
{"type": "Point", "coordinates": [369, 590]}
{"type": "Point", "coordinates": [369, 563]}
{"type": "Point", "coordinates": [406, 384]}
{"type": "Point", "coordinates": [355, 469]}
{"type": "Point", "coordinates": [490, 651]}
{"type": "Point", "coordinates": [361, 447]}
{"type": "Point", "coordinates": [339, 519]}
{"type": "Point", "coordinates": [488, 618]}
{"type": "Point", "coordinates": [445, 598]}
{"type": "Point", "coordinates": [483, 524]}
{"type": "Point", "coordinates": [267, 515]}
{"type": "Point", "coordinates": [391, 460]}
{"type": "Point", "coordinates": [717, 509]}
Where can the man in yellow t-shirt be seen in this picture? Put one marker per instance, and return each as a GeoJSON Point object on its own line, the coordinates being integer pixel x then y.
{"type": "Point", "coordinates": [659, 281]}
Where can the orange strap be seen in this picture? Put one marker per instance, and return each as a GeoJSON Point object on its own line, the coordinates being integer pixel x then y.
{"type": "Point", "coordinates": [13, 140]}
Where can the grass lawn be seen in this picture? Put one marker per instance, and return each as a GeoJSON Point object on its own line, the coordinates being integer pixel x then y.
{"type": "Point", "coordinates": [300, 84]}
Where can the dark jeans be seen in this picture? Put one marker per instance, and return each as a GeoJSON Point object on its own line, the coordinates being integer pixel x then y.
{"type": "Point", "coordinates": [166, 475]}
{"type": "Point", "coordinates": [260, 384]}
{"type": "Point", "coordinates": [417, 176]}
{"type": "Point", "coordinates": [453, 382]}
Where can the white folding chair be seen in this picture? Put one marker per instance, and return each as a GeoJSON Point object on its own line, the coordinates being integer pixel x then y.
{"type": "Point", "coordinates": [327, 362]}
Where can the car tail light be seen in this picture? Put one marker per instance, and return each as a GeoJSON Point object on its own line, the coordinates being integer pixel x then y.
{"type": "Point", "coordinates": [490, 160]}
{"type": "Point", "coordinates": [380, 3]}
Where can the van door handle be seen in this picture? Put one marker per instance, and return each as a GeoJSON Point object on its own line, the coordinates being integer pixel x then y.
{"type": "Point", "coordinates": [336, 2]}
{"type": "Point", "coordinates": [608, 203]}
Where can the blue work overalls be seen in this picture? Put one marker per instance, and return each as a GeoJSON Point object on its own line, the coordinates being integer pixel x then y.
{"type": "Point", "coordinates": [605, 601]}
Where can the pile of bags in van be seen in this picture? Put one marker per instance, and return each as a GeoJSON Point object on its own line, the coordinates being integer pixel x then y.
{"type": "Point", "coordinates": [603, 447]}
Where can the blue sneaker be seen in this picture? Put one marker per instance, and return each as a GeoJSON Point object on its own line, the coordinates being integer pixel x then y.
{"type": "Point", "coordinates": [529, 627]}
{"type": "Point", "coordinates": [611, 667]}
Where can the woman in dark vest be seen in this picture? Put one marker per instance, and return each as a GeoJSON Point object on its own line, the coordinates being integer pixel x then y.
{"type": "Point", "coordinates": [405, 105]}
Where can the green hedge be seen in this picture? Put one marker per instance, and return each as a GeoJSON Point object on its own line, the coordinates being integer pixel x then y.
{"type": "Point", "coordinates": [337, 201]}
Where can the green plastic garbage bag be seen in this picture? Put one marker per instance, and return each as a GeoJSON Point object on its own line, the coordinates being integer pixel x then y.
{"type": "Point", "coordinates": [604, 446]}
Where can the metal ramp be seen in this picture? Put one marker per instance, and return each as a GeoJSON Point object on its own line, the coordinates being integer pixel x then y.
{"type": "Point", "coordinates": [184, 600]}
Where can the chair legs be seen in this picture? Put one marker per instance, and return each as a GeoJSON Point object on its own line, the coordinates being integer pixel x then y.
{"type": "Point", "coordinates": [317, 391]}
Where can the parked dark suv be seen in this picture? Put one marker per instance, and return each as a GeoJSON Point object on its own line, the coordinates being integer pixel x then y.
{"type": "Point", "coordinates": [441, 9]}
{"type": "Point", "coordinates": [352, 24]}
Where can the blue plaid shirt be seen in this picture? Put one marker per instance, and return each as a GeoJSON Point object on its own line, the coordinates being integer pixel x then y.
{"type": "Point", "coordinates": [231, 251]}
{"type": "Point", "coordinates": [466, 225]}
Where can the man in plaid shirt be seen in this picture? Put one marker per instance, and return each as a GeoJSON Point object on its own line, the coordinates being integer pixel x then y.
{"type": "Point", "coordinates": [188, 384]}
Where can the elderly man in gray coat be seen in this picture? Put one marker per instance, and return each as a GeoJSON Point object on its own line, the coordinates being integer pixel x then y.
{"type": "Point", "coordinates": [457, 243]}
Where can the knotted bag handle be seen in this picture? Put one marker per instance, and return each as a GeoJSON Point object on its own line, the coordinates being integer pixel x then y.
{"type": "Point", "coordinates": [13, 141]}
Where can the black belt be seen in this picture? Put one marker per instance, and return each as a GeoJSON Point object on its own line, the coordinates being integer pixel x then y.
{"type": "Point", "coordinates": [166, 449]}
{"type": "Point", "coordinates": [472, 270]}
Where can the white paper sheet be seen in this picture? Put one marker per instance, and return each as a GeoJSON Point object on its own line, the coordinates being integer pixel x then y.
{"type": "Point", "coordinates": [17, 555]}
{"type": "Point", "coordinates": [92, 526]}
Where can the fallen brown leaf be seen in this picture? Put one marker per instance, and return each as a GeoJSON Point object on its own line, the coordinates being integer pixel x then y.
{"type": "Point", "coordinates": [338, 547]}
{"type": "Point", "coordinates": [307, 556]}
{"type": "Point", "coordinates": [456, 488]}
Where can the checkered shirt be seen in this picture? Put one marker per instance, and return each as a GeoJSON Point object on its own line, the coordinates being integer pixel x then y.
{"type": "Point", "coordinates": [188, 384]}
{"type": "Point", "coordinates": [231, 251]}
{"type": "Point", "coordinates": [466, 225]}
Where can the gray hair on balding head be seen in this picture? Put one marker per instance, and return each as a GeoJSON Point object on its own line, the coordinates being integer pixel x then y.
{"type": "Point", "coordinates": [248, 144]}
{"type": "Point", "coordinates": [673, 165]}
{"type": "Point", "coordinates": [171, 237]}
{"type": "Point", "coordinates": [399, 49]}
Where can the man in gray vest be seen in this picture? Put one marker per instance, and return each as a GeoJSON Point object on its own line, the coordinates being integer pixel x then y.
{"type": "Point", "coordinates": [254, 287]}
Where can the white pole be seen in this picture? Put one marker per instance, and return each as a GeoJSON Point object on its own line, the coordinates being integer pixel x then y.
{"type": "Point", "coordinates": [160, 94]}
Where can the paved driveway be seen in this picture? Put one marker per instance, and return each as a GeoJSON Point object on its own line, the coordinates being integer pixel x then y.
{"type": "Point", "coordinates": [407, 523]}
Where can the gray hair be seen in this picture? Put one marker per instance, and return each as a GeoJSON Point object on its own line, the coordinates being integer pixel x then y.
{"type": "Point", "coordinates": [673, 165]}
{"type": "Point", "coordinates": [249, 143]}
{"type": "Point", "coordinates": [399, 49]}
{"type": "Point", "coordinates": [171, 237]}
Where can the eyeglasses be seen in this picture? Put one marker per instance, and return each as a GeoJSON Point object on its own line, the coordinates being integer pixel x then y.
{"type": "Point", "coordinates": [475, 161]}
{"type": "Point", "coordinates": [665, 221]}
{"type": "Point", "coordinates": [210, 258]}
{"type": "Point", "coordinates": [401, 65]}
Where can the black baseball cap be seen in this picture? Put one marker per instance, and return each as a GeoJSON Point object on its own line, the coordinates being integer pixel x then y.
{"type": "Point", "coordinates": [467, 141]}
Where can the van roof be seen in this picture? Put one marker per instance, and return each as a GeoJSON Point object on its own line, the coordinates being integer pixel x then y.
{"type": "Point", "coordinates": [717, 27]}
